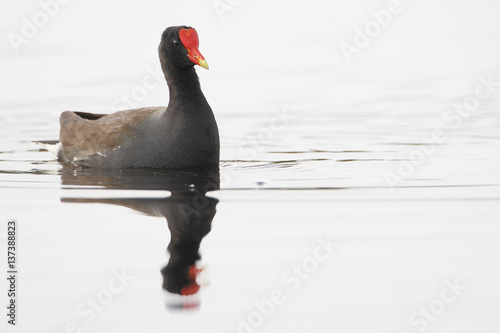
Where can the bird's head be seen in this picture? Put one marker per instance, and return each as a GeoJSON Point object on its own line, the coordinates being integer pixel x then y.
{"type": "Point", "coordinates": [179, 46]}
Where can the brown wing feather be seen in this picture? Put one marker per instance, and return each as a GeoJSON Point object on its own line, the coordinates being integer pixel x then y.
{"type": "Point", "coordinates": [84, 134]}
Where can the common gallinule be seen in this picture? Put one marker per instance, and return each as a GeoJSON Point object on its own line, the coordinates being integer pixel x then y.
{"type": "Point", "coordinates": [183, 134]}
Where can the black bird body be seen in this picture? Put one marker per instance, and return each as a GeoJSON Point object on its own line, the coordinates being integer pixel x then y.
{"type": "Point", "coordinates": [183, 134]}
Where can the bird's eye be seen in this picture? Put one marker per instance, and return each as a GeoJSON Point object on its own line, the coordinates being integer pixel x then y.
{"type": "Point", "coordinates": [176, 43]}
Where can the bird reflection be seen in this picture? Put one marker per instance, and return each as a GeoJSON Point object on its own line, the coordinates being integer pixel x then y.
{"type": "Point", "coordinates": [188, 210]}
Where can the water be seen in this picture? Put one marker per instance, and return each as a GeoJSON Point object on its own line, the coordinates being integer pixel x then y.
{"type": "Point", "coordinates": [347, 198]}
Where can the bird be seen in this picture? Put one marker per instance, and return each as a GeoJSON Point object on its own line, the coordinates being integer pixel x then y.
{"type": "Point", "coordinates": [181, 135]}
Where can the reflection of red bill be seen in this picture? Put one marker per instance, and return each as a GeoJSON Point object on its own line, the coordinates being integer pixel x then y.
{"type": "Point", "coordinates": [189, 38]}
{"type": "Point", "coordinates": [190, 289]}
{"type": "Point", "coordinates": [193, 287]}
{"type": "Point", "coordinates": [190, 306]}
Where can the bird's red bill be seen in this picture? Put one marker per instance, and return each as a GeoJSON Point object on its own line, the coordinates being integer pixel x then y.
{"type": "Point", "coordinates": [189, 38]}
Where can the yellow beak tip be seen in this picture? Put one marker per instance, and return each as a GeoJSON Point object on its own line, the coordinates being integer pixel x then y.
{"type": "Point", "coordinates": [203, 63]}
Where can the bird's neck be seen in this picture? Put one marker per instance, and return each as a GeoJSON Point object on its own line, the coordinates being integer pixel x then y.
{"type": "Point", "coordinates": [182, 83]}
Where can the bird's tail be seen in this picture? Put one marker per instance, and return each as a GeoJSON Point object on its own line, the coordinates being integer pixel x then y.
{"type": "Point", "coordinates": [53, 146]}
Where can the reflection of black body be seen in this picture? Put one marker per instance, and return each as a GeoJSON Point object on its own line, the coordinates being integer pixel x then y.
{"type": "Point", "coordinates": [189, 216]}
{"type": "Point", "coordinates": [189, 212]}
